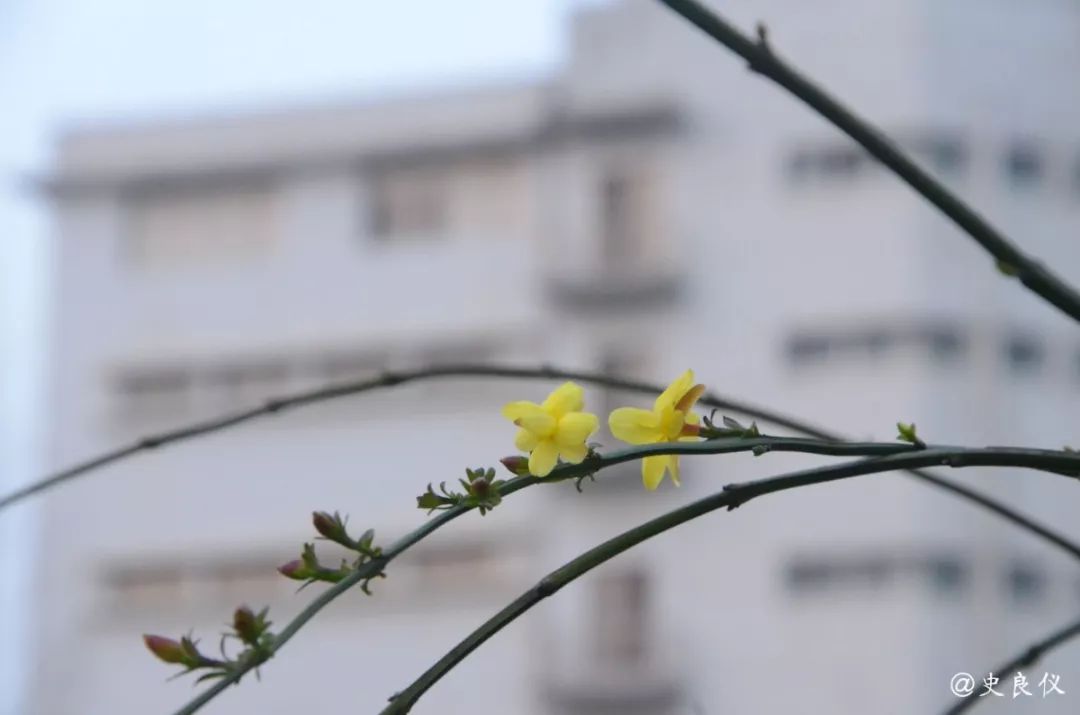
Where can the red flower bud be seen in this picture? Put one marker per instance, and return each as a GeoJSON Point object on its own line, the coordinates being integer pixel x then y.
{"type": "Point", "coordinates": [325, 524]}
{"type": "Point", "coordinates": [249, 626]}
{"type": "Point", "coordinates": [296, 570]}
{"type": "Point", "coordinates": [166, 649]}
{"type": "Point", "coordinates": [245, 625]}
{"type": "Point", "coordinates": [516, 465]}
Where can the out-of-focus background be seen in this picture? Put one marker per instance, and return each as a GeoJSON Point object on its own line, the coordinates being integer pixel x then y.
{"type": "Point", "coordinates": [205, 204]}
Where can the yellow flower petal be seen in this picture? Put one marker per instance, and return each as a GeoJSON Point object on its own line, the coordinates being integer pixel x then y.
{"type": "Point", "coordinates": [568, 397]}
{"type": "Point", "coordinates": [675, 391]}
{"type": "Point", "coordinates": [687, 402]}
{"type": "Point", "coordinates": [525, 440]}
{"type": "Point", "coordinates": [671, 423]}
{"type": "Point", "coordinates": [635, 425]}
{"type": "Point", "coordinates": [690, 419]}
{"type": "Point", "coordinates": [574, 428]}
{"type": "Point", "coordinates": [652, 470]}
{"type": "Point", "coordinates": [543, 458]}
{"type": "Point", "coordinates": [673, 466]}
{"type": "Point", "coordinates": [574, 454]}
{"type": "Point", "coordinates": [514, 411]}
{"type": "Point", "coordinates": [530, 416]}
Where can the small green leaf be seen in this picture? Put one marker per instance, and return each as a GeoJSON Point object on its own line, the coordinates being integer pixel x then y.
{"type": "Point", "coordinates": [906, 433]}
{"type": "Point", "coordinates": [429, 501]}
{"type": "Point", "coordinates": [1006, 269]}
{"type": "Point", "coordinates": [733, 424]}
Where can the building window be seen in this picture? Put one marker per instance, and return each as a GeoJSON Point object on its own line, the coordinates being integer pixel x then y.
{"type": "Point", "coordinates": [1025, 583]}
{"type": "Point", "coordinates": [1023, 164]}
{"type": "Point", "coordinates": [175, 225]}
{"type": "Point", "coordinates": [941, 343]}
{"type": "Point", "coordinates": [819, 574]}
{"type": "Point", "coordinates": [803, 349]}
{"type": "Point", "coordinates": [1025, 354]}
{"type": "Point", "coordinates": [462, 565]}
{"type": "Point", "coordinates": [805, 575]}
{"type": "Point", "coordinates": [342, 365]}
{"type": "Point", "coordinates": [826, 163]}
{"type": "Point", "coordinates": [620, 618]}
{"type": "Point", "coordinates": [825, 573]}
{"type": "Point", "coordinates": [408, 203]}
{"type": "Point", "coordinates": [625, 216]}
{"type": "Point", "coordinates": [947, 574]}
{"type": "Point", "coordinates": [238, 382]}
{"type": "Point", "coordinates": [800, 165]}
{"type": "Point", "coordinates": [163, 585]}
{"type": "Point", "coordinates": [947, 154]}
{"type": "Point", "coordinates": [945, 344]}
{"type": "Point", "coordinates": [144, 391]}
{"type": "Point", "coordinates": [841, 162]}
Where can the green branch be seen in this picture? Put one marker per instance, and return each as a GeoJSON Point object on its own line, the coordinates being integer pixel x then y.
{"type": "Point", "coordinates": [390, 379]}
{"type": "Point", "coordinates": [761, 59]}
{"type": "Point", "coordinates": [386, 380]}
{"type": "Point", "coordinates": [888, 456]}
{"type": "Point", "coordinates": [733, 495]}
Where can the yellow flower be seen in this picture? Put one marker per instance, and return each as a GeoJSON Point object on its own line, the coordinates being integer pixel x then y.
{"type": "Point", "coordinates": [670, 420]}
{"type": "Point", "coordinates": [556, 428]}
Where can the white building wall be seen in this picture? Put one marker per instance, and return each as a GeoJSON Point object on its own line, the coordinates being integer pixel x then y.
{"type": "Point", "coordinates": [757, 258]}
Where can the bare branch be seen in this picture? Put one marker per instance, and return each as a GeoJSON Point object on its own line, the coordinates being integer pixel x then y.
{"type": "Point", "coordinates": [732, 496]}
{"type": "Point", "coordinates": [896, 456]}
{"type": "Point", "coordinates": [390, 379]}
{"type": "Point", "coordinates": [762, 59]}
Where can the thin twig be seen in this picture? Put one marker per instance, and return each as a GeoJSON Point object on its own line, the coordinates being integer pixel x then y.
{"type": "Point", "coordinates": [385, 380]}
{"type": "Point", "coordinates": [763, 60]}
{"type": "Point", "coordinates": [896, 456]}
{"type": "Point", "coordinates": [389, 379]}
{"type": "Point", "coordinates": [365, 571]}
{"type": "Point", "coordinates": [1028, 657]}
{"type": "Point", "coordinates": [733, 495]}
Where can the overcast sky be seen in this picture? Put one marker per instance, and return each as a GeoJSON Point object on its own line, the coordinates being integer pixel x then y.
{"type": "Point", "coordinates": [71, 62]}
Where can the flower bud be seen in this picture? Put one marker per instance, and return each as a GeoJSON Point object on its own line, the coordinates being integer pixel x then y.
{"type": "Point", "coordinates": [250, 626]}
{"type": "Point", "coordinates": [326, 525]}
{"type": "Point", "coordinates": [166, 649]}
{"type": "Point", "coordinates": [516, 464]}
{"type": "Point", "coordinates": [296, 570]}
{"type": "Point", "coordinates": [480, 487]}
{"type": "Point", "coordinates": [245, 624]}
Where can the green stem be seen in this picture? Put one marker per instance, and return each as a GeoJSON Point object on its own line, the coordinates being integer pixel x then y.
{"type": "Point", "coordinates": [889, 454]}
{"type": "Point", "coordinates": [761, 58]}
{"type": "Point", "coordinates": [389, 379]}
{"type": "Point", "coordinates": [733, 495]}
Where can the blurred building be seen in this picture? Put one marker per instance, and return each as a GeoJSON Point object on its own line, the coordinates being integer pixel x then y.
{"type": "Point", "coordinates": [650, 207]}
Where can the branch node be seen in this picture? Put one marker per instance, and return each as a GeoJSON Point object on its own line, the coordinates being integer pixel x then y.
{"type": "Point", "coordinates": [547, 586]}
{"type": "Point", "coordinates": [763, 36]}
{"type": "Point", "coordinates": [736, 501]}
